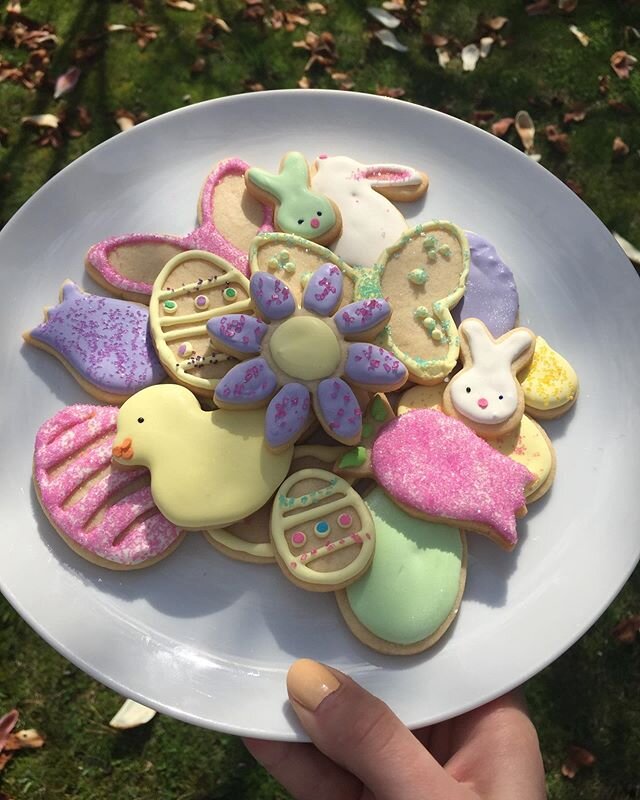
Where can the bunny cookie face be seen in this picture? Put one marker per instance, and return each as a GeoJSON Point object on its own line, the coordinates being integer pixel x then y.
{"type": "Point", "coordinates": [193, 288]}
{"type": "Point", "coordinates": [298, 209]}
{"type": "Point", "coordinates": [362, 192]}
{"type": "Point", "coordinates": [486, 394]}
{"type": "Point", "coordinates": [228, 219]}
{"type": "Point", "coordinates": [321, 530]}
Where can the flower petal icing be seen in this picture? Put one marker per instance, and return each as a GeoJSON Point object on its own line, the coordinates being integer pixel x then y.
{"type": "Point", "coordinates": [370, 365]}
{"type": "Point", "coordinates": [271, 296]}
{"type": "Point", "coordinates": [287, 415]}
{"type": "Point", "coordinates": [238, 332]}
{"type": "Point", "coordinates": [324, 290]}
{"type": "Point", "coordinates": [362, 316]}
{"type": "Point", "coordinates": [248, 384]}
{"type": "Point", "coordinates": [338, 410]}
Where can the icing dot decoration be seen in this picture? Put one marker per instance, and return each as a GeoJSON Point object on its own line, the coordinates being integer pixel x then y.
{"type": "Point", "coordinates": [281, 262]}
{"type": "Point", "coordinates": [185, 350]}
{"type": "Point", "coordinates": [229, 294]}
{"type": "Point", "coordinates": [418, 276]}
{"type": "Point", "coordinates": [201, 302]}
{"type": "Point", "coordinates": [345, 520]}
{"type": "Point", "coordinates": [170, 306]}
{"type": "Point", "coordinates": [298, 538]}
{"type": "Point", "coordinates": [322, 528]}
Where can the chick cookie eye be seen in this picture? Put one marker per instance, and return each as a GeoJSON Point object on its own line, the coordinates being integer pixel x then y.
{"type": "Point", "coordinates": [468, 390]}
{"type": "Point", "coordinates": [140, 419]}
{"type": "Point", "coordinates": [300, 221]}
{"type": "Point", "coordinates": [319, 213]}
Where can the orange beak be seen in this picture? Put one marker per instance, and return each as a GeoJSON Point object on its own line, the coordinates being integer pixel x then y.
{"type": "Point", "coordinates": [123, 450]}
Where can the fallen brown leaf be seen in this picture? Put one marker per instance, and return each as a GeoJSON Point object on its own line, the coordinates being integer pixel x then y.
{"type": "Point", "coordinates": [577, 757]}
{"type": "Point", "coordinates": [255, 87]}
{"type": "Point", "coordinates": [470, 55]}
{"type": "Point", "coordinates": [220, 23]}
{"type": "Point", "coordinates": [144, 33]}
{"type": "Point", "coordinates": [574, 116]}
{"type": "Point", "coordinates": [66, 82]}
{"type": "Point", "coordinates": [618, 105]}
{"type": "Point", "coordinates": [84, 118]}
{"type": "Point", "coordinates": [482, 116]}
{"type": "Point", "coordinates": [14, 8]}
{"type": "Point", "coordinates": [558, 139]}
{"type": "Point", "coordinates": [626, 631]}
{"type": "Point", "coordinates": [316, 8]}
{"type": "Point", "coordinates": [603, 84]}
{"type": "Point", "coordinates": [127, 119]}
{"type": "Point", "coordinates": [435, 40]}
{"type": "Point", "coordinates": [388, 91]}
{"type": "Point", "coordinates": [8, 722]}
{"type": "Point", "coordinates": [580, 35]}
{"type": "Point", "coordinates": [303, 83]}
{"type": "Point", "coordinates": [501, 127]}
{"type": "Point", "coordinates": [622, 63]}
{"type": "Point", "coordinates": [198, 66]}
{"type": "Point", "coordinates": [497, 23]}
{"type": "Point", "coordinates": [567, 6]}
{"type": "Point", "coordinates": [42, 121]}
{"type": "Point", "coordinates": [620, 148]}
{"type": "Point", "coordinates": [575, 187]}
{"type": "Point", "coordinates": [526, 130]}
{"type": "Point", "coordinates": [538, 7]}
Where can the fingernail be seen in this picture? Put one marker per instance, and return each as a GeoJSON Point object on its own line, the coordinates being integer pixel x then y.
{"type": "Point", "coordinates": [309, 683]}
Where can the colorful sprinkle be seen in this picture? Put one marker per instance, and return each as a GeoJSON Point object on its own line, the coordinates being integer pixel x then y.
{"type": "Point", "coordinates": [201, 302]}
{"type": "Point", "coordinates": [170, 306]}
{"type": "Point", "coordinates": [322, 528]}
{"type": "Point", "coordinates": [298, 538]}
{"type": "Point", "coordinates": [345, 520]}
{"type": "Point", "coordinates": [229, 294]}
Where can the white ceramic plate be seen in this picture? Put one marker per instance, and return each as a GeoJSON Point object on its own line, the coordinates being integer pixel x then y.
{"type": "Point", "coordinates": [209, 640]}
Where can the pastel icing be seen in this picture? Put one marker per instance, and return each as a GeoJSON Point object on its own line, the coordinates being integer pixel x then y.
{"type": "Point", "coordinates": [299, 210]}
{"type": "Point", "coordinates": [287, 415]}
{"type": "Point", "coordinates": [72, 449]}
{"type": "Point", "coordinates": [439, 467]}
{"type": "Point", "coordinates": [248, 383]}
{"type": "Point", "coordinates": [550, 381]}
{"type": "Point", "coordinates": [491, 294]}
{"type": "Point", "coordinates": [106, 341]}
{"type": "Point", "coordinates": [272, 297]}
{"type": "Point", "coordinates": [338, 407]}
{"type": "Point", "coordinates": [208, 468]}
{"type": "Point", "coordinates": [323, 291]}
{"type": "Point", "coordinates": [370, 222]}
{"type": "Point", "coordinates": [362, 316]}
{"type": "Point", "coordinates": [529, 446]}
{"type": "Point", "coordinates": [370, 365]}
{"type": "Point", "coordinates": [414, 582]}
{"type": "Point", "coordinates": [105, 256]}
{"type": "Point", "coordinates": [239, 332]}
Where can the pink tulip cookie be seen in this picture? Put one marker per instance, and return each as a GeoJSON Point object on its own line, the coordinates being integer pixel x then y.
{"type": "Point", "coordinates": [105, 514]}
{"type": "Point", "coordinates": [299, 358]}
{"type": "Point", "coordinates": [228, 219]}
{"type": "Point", "coordinates": [322, 533]}
{"type": "Point", "coordinates": [105, 344]}
{"type": "Point", "coordinates": [486, 394]}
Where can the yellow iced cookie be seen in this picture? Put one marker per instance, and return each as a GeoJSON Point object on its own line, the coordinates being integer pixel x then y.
{"type": "Point", "coordinates": [549, 383]}
{"type": "Point", "coordinates": [529, 445]}
{"type": "Point", "coordinates": [208, 468]}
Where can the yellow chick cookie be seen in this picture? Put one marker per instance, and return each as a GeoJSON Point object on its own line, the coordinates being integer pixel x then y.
{"type": "Point", "coordinates": [208, 468]}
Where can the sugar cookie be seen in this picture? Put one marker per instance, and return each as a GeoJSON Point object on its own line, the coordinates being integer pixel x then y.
{"type": "Point", "coordinates": [105, 514]}
{"type": "Point", "coordinates": [411, 594]}
{"type": "Point", "coordinates": [104, 343]}
{"type": "Point", "coordinates": [549, 383]}
{"type": "Point", "coordinates": [322, 533]}
{"type": "Point", "coordinates": [208, 468]}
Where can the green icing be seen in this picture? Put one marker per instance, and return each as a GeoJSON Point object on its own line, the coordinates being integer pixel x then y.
{"type": "Point", "coordinates": [367, 430]}
{"type": "Point", "coordinates": [414, 579]}
{"type": "Point", "coordinates": [354, 458]}
{"type": "Point", "coordinates": [418, 276]}
{"type": "Point", "coordinates": [379, 410]}
{"type": "Point", "coordinates": [281, 261]}
{"type": "Point", "coordinates": [297, 204]}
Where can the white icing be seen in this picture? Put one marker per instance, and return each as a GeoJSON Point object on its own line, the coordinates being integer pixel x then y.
{"type": "Point", "coordinates": [490, 378]}
{"type": "Point", "coordinates": [370, 222]}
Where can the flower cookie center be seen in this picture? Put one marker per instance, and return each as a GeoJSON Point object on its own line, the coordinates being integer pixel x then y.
{"type": "Point", "coordinates": [305, 348]}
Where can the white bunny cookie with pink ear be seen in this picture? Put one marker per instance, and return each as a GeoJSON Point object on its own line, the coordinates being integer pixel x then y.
{"type": "Point", "coordinates": [486, 394]}
{"type": "Point", "coordinates": [362, 192]}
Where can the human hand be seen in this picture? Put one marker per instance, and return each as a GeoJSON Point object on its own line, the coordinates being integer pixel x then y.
{"type": "Point", "coordinates": [360, 749]}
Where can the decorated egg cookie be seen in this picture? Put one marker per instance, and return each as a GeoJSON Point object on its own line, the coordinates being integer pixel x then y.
{"type": "Point", "coordinates": [104, 513]}
{"type": "Point", "coordinates": [104, 343]}
{"type": "Point", "coordinates": [298, 208]}
{"type": "Point", "coordinates": [411, 593]}
{"type": "Point", "coordinates": [208, 468]}
{"type": "Point", "coordinates": [190, 290]}
{"type": "Point", "coordinates": [228, 219]}
{"type": "Point", "coordinates": [486, 394]}
{"type": "Point", "coordinates": [322, 533]}
{"type": "Point", "coordinates": [303, 357]}
{"type": "Point", "coordinates": [549, 383]}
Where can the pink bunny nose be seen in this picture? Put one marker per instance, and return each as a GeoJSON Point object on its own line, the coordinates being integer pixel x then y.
{"type": "Point", "coordinates": [483, 403]}
{"type": "Point", "coordinates": [315, 223]}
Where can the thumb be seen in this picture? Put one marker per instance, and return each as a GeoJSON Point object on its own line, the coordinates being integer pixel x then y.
{"type": "Point", "coordinates": [359, 732]}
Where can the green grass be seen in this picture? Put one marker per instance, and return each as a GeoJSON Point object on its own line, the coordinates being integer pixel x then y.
{"type": "Point", "coordinates": [589, 696]}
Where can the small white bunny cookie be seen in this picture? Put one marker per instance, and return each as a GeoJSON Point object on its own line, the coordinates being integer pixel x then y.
{"type": "Point", "coordinates": [486, 394]}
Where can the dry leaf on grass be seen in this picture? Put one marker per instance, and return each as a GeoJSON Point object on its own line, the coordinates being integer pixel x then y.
{"type": "Point", "coordinates": [316, 8]}
{"type": "Point", "coordinates": [41, 121]}
{"type": "Point", "coordinates": [14, 8]}
{"type": "Point", "coordinates": [622, 63]}
{"type": "Point", "coordinates": [538, 7]}
{"type": "Point", "coordinates": [7, 723]}
{"type": "Point", "coordinates": [567, 6]}
{"type": "Point", "coordinates": [198, 66]}
{"type": "Point", "coordinates": [322, 48]}
{"type": "Point", "coordinates": [626, 631]}
{"type": "Point", "coordinates": [304, 83]}
{"type": "Point", "coordinates": [575, 187]}
{"type": "Point", "coordinates": [501, 127]}
{"type": "Point", "coordinates": [470, 55]}
{"type": "Point", "coordinates": [389, 39]}
{"type": "Point", "coordinates": [486, 43]}
{"type": "Point", "coordinates": [220, 23]}
{"type": "Point", "coordinates": [443, 56]}
{"type": "Point", "coordinates": [577, 757]}
{"type": "Point", "coordinates": [496, 23]}
{"type": "Point", "coordinates": [182, 5]}
{"type": "Point", "coordinates": [383, 17]}
{"type": "Point", "coordinates": [389, 91]}
{"type": "Point", "coordinates": [117, 27]}
{"type": "Point", "coordinates": [580, 36]}
{"type": "Point", "coordinates": [131, 715]}
{"type": "Point", "coordinates": [144, 33]}
{"type": "Point", "coordinates": [526, 130]}
{"type": "Point", "coordinates": [482, 115]}
{"type": "Point", "coordinates": [620, 148]}
{"type": "Point", "coordinates": [255, 87]}
{"type": "Point", "coordinates": [66, 82]}
{"type": "Point", "coordinates": [577, 115]}
{"type": "Point", "coordinates": [558, 139]}
{"type": "Point", "coordinates": [126, 119]}
{"type": "Point", "coordinates": [435, 40]}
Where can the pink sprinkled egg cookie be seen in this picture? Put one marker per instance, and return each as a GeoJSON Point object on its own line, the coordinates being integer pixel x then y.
{"type": "Point", "coordinates": [104, 513]}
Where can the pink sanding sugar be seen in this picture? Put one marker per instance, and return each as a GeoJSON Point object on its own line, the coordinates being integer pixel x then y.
{"type": "Point", "coordinates": [438, 466]}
